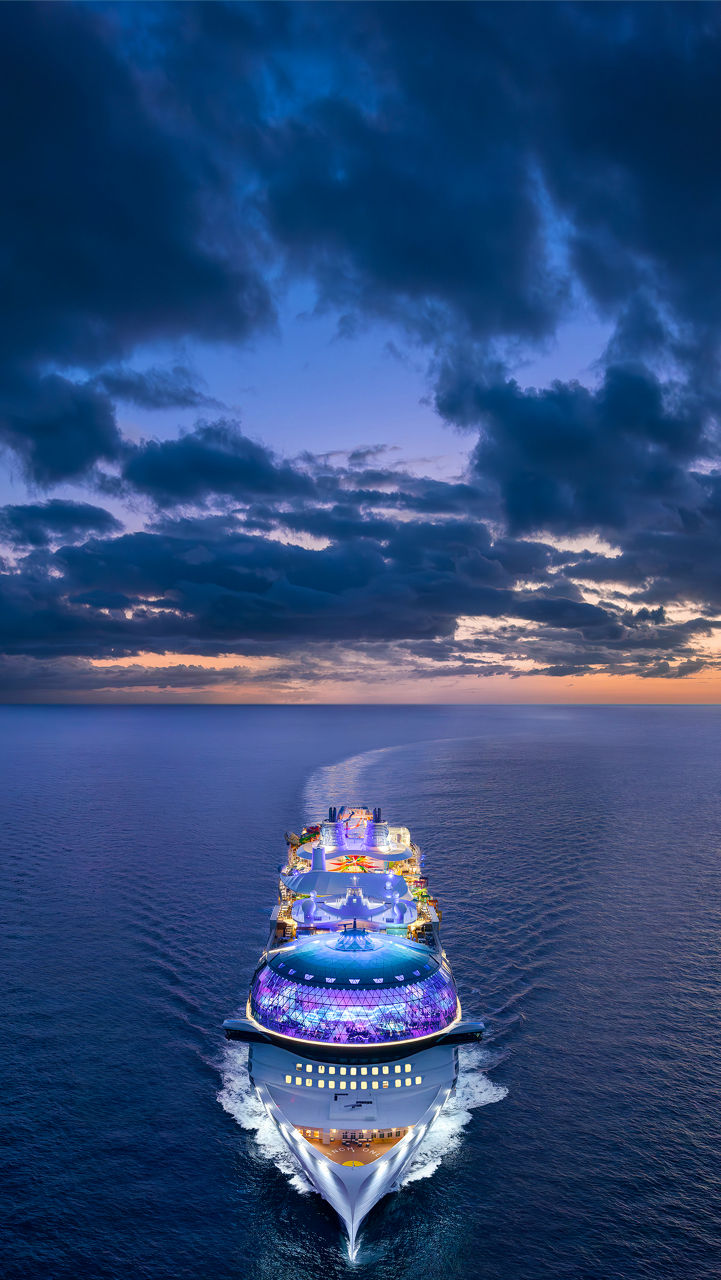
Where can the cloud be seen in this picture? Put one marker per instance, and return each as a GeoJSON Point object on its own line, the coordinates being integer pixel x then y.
{"type": "Point", "coordinates": [157, 388]}
{"type": "Point", "coordinates": [37, 524]}
{"type": "Point", "coordinates": [58, 428]}
{"type": "Point", "coordinates": [106, 241]}
{"type": "Point", "coordinates": [475, 176]}
{"type": "Point", "coordinates": [214, 459]}
{"type": "Point", "coordinates": [207, 585]}
{"type": "Point", "coordinates": [568, 459]}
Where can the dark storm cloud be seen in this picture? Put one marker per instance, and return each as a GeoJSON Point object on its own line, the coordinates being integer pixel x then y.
{"type": "Point", "coordinates": [157, 388]}
{"type": "Point", "coordinates": [635, 100]}
{"type": "Point", "coordinates": [105, 240]}
{"type": "Point", "coordinates": [463, 164]}
{"type": "Point", "coordinates": [468, 172]}
{"type": "Point", "coordinates": [37, 524]}
{"type": "Point", "coordinates": [570, 459]}
{"type": "Point", "coordinates": [36, 679]}
{"type": "Point", "coordinates": [215, 459]}
{"type": "Point", "coordinates": [208, 586]}
{"type": "Point", "coordinates": [58, 428]}
{"type": "Point", "coordinates": [661, 566]}
{"type": "Point", "coordinates": [383, 586]}
{"type": "Point", "coordinates": [418, 199]}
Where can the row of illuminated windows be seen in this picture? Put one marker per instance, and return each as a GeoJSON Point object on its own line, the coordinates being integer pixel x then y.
{"type": "Point", "coordinates": [355, 1133]}
{"type": "Point", "coordinates": [353, 1084]}
{"type": "Point", "coordinates": [354, 1071]}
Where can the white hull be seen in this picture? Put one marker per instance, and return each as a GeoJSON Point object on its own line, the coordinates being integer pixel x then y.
{"type": "Point", "coordinates": [353, 1191]}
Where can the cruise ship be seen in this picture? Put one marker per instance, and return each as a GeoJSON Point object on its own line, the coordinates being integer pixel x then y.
{"type": "Point", "coordinates": [353, 1018]}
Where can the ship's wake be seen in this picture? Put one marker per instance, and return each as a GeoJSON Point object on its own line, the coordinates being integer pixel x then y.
{"type": "Point", "coordinates": [473, 1090]}
{"type": "Point", "coordinates": [240, 1100]}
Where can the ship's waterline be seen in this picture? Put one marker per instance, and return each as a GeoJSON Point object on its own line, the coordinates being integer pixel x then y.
{"type": "Point", "coordinates": [353, 1018]}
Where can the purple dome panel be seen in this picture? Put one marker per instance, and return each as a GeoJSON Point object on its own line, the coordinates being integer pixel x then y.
{"type": "Point", "coordinates": [342, 1016]}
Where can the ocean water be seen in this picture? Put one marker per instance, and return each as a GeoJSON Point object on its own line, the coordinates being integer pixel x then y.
{"type": "Point", "coordinates": [576, 853]}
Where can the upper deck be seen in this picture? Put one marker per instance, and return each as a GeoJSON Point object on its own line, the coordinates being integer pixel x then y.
{"type": "Point", "coordinates": [353, 964]}
{"type": "Point", "coordinates": [354, 868]}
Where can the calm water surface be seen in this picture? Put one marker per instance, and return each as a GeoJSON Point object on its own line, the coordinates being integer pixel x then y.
{"type": "Point", "coordinates": [577, 857]}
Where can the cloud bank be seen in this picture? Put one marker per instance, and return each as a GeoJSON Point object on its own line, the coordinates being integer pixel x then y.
{"type": "Point", "coordinates": [474, 177]}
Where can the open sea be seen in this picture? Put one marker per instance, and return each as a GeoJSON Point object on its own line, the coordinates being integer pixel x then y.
{"type": "Point", "coordinates": [576, 853]}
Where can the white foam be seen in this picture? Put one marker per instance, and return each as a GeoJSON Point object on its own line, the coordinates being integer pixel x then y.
{"type": "Point", "coordinates": [473, 1090]}
{"type": "Point", "coordinates": [340, 779]}
{"type": "Point", "coordinates": [240, 1100]}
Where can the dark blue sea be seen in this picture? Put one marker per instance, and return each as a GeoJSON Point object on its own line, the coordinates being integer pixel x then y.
{"type": "Point", "coordinates": [576, 853]}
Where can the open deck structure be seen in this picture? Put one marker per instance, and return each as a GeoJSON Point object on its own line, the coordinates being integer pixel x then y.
{"type": "Point", "coordinates": [353, 1018]}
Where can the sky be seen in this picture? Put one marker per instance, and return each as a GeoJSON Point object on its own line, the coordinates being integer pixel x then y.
{"type": "Point", "coordinates": [360, 352]}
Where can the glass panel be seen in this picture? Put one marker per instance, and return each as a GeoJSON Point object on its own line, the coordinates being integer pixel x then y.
{"type": "Point", "coordinates": [339, 1016]}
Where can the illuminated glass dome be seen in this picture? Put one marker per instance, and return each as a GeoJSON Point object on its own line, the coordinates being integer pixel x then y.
{"type": "Point", "coordinates": [351, 988]}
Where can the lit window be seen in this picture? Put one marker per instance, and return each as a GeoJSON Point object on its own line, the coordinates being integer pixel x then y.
{"type": "Point", "coordinates": [374, 1071]}
{"type": "Point", "coordinates": [322, 1069]}
{"type": "Point", "coordinates": [375, 1084]}
{"type": "Point", "coordinates": [353, 1071]}
{"type": "Point", "coordinates": [364, 1084]}
{"type": "Point", "coordinates": [385, 1084]}
{"type": "Point", "coordinates": [408, 1080]}
{"type": "Point", "coordinates": [331, 1072]}
{"type": "Point", "coordinates": [299, 1066]}
{"type": "Point", "coordinates": [342, 1071]}
{"type": "Point", "coordinates": [308, 1083]}
{"type": "Point", "coordinates": [364, 1071]}
{"type": "Point", "coordinates": [419, 1079]}
{"type": "Point", "coordinates": [406, 1068]}
{"type": "Point", "coordinates": [397, 1083]}
{"type": "Point", "coordinates": [298, 1080]}
{"type": "Point", "coordinates": [396, 1069]}
{"type": "Point", "coordinates": [353, 1084]}
{"type": "Point", "coordinates": [321, 1083]}
{"type": "Point", "coordinates": [309, 1068]}
{"type": "Point", "coordinates": [288, 1079]}
{"type": "Point", "coordinates": [386, 1070]}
